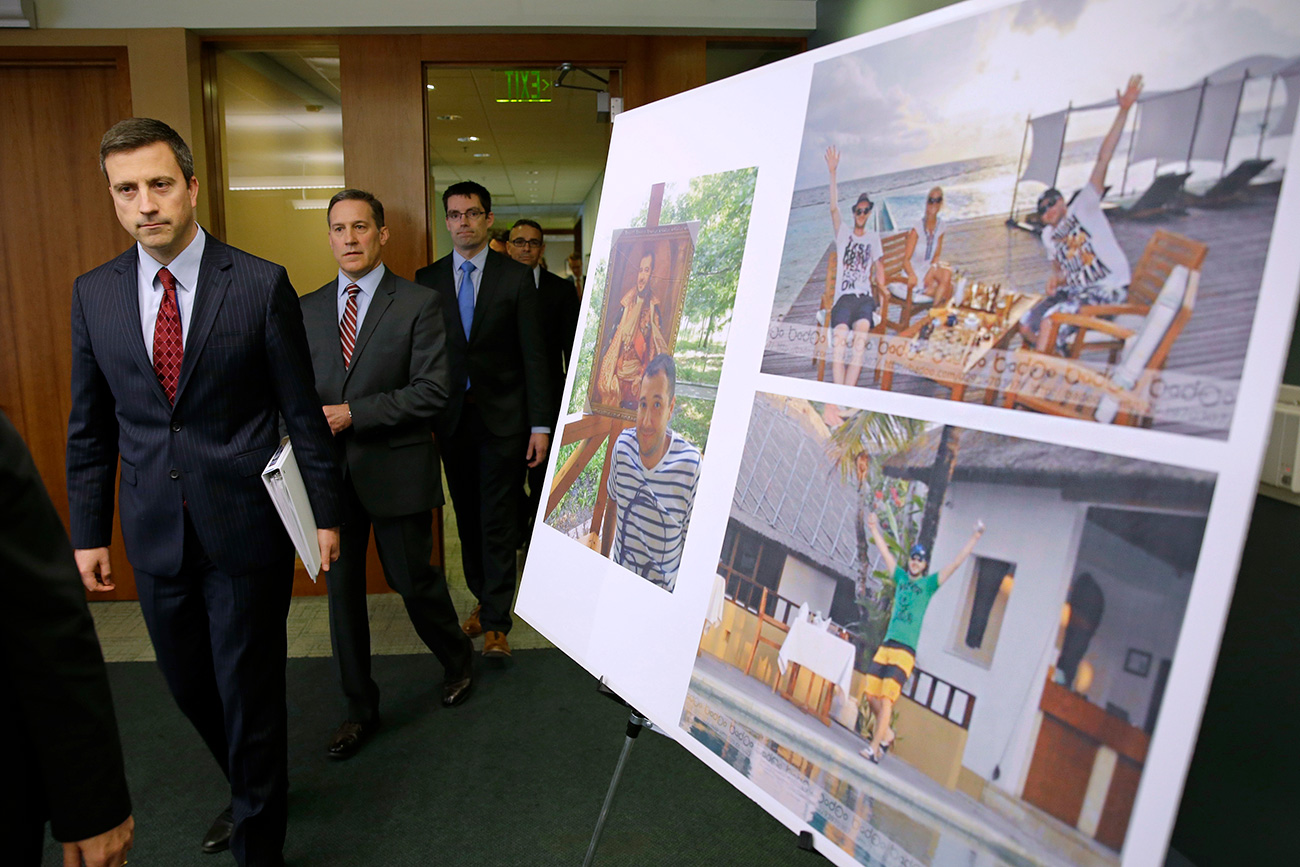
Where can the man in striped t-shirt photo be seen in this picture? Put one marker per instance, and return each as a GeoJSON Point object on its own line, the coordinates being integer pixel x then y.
{"type": "Point", "coordinates": [652, 482]}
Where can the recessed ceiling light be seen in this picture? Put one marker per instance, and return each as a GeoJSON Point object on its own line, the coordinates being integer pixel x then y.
{"type": "Point", "coordinates": [466, 138]}
{"type": "Point", "coordinates": [479, 156]}
{"type": "Point", "coordinates": [533, 172]}
{"type": "Point", "coordinates": [447, 117]}
{"type": "Point", "coordinates": [430, 87]}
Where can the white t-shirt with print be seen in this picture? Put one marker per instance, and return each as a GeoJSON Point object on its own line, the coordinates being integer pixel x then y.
{"type": "Point", "coordinates": [1083, 245]}
{"type": "Point", "coordinates": [857, 256]}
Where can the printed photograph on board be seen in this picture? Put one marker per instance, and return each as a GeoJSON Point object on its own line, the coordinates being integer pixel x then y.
{"type": "Point", "coordinates": [633, 436]}
{"type": "Point", "coordinates": [647, 272]}
{"type": "Point", "coordinates": [1061, 206]}
{"type": "Point", "coordinates": [938, 645]}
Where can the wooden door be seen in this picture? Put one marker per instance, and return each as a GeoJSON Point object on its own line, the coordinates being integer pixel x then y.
{"type": "Point", "coordinates": [57, 103]}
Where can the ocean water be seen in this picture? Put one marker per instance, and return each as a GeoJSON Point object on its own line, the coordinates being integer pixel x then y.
{"type": "Point", "coordinates": [982, 187]}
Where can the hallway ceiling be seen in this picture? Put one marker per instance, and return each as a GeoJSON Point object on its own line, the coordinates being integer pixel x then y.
{"type": "Point", "coordinates": [539, 159]}
{"type": "Point", "coordinates": [284, 130]}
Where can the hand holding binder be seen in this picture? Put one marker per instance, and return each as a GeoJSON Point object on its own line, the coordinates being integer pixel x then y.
{"type": "Point", "coordinates": [284, 483]}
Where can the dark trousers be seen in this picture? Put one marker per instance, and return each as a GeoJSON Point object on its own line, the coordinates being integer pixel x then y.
{"type": "Point", "coordinates": [483, 475]}
{"type": "Point", "coordinates": [22, 822]}
{"type": "Point", "coordinates": [221, 646]}
{"type": "Point", "coordinates": [536, 479]}
{"type": "Point", "coordinates": [405, 546]}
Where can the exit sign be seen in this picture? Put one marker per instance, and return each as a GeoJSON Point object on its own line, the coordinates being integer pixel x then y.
{"type": "Point", "coordinates": [523, 85]}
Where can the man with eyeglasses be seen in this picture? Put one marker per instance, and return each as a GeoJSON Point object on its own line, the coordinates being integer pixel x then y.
{"type": "Point", "coordinates": [559, 299]}
{"type": "Point", "coordinates": [859, 284]}
{"type": "Point", "coordinates": [500, 407]}
{"type": "Point", "coordinates": [1088, 264]}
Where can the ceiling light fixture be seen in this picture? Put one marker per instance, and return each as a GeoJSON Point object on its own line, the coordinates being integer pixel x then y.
{"type": "Point", "coordinates": [480, 156]}
{"type": "Point", "coordinates": [447, 117]}
{"type": "Point", "coordinates": [430, 87]}
{"type": "Point", "coordinates": [465, 138]}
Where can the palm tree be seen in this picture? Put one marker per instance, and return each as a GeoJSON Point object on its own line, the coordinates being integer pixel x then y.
{"type": "Point", "coordinates": [853, 444]}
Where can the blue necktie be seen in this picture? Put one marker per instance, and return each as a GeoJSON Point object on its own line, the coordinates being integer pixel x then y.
{"type": "Point", "coordinates": [466, 295]}
{"type": "Point", "coordinates": [465, 299]}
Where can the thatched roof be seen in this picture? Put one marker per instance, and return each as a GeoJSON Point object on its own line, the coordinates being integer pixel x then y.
{"type": "Point", "coordinates": [790, 489]}
{"type": "Point", "coordinates": [1080, 474]}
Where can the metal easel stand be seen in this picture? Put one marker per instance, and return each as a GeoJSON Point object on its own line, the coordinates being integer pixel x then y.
{"type": "Point", "coordinates": [635, 723]}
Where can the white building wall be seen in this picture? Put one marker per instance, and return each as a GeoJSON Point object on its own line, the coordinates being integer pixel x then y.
{"type": "Point", "coordinates": [1039, 532]}
{"type": "Point", "coordinates": [803, 583]}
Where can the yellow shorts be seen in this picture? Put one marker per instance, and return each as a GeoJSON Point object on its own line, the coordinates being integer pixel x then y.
{"type": "Point", "coordinates": [889, 670]}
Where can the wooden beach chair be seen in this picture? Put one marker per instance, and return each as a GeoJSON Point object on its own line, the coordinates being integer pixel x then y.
{"type": "Point", "coordinates": [910, 300]}
{"type": "Point", "coordinates": [822, 353]}
{"type": "Point", "coordinates": [1164, 251]}
{"type": "Point", "coordinates": [1068, 387]}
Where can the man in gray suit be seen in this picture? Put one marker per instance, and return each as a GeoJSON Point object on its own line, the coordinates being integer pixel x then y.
{"type": "Point", "coordinates": [378, 346]}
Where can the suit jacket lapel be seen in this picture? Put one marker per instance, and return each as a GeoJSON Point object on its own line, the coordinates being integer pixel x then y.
{"type": "Point", "coordinates": [214, 280]}
{"type": "Point", "coordinates": [128, 306]}
{"type": "Point", "coordinates": [378, 304]}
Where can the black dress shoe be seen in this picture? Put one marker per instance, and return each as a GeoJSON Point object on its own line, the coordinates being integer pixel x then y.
{"type": "Point", "coordinates": [349, 738]}
{"type": "Point", "coordinates": [455, 692]}
{"type": "Point", "coordinates": [218, 837]}
{"type": "Point", "coordinates": [459, 680]}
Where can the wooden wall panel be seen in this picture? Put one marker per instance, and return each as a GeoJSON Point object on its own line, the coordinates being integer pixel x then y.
{"type": "Point", "coordinates": [1118, 808]}
{"type": "Point", "coordinates": [1059, 771]}
{"type": "Point", "coordinates": [383, 138]}
{"type": "Point", "coordinates": [57, 103]}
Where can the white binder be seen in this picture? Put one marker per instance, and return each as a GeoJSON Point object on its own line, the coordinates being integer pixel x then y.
{"type": "Point", "coordinates": [284, 483]}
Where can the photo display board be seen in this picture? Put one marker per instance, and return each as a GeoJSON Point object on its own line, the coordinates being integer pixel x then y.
{"type": "Point", "coordinates": [916, 415]}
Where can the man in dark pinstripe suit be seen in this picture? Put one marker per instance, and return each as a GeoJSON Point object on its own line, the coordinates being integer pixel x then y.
{"type": "Point", "coordinates": [185, 354]}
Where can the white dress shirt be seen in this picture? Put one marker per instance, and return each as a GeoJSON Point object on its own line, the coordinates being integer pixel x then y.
{"type": "Point", "coordinates": [476, 276]}
{"type": "Point", "coordinates": [185, 268]}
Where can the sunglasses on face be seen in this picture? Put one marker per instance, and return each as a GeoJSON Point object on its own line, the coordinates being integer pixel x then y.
{"type": "Point", "coordinates": [1046, 204]}
{"type": "Point", "coordinates": [934, 200]}
{"type": "Point", "coordinates": [863, 211]}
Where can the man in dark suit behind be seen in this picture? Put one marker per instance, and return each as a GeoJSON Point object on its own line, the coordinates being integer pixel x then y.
{"type": "Point", "coordinates": [65, 759]}
{"type": "Point", "coordinates": [185, 353]}
{"type": "Point", "coordinates": [379, 349]}
{"type": "Point", "coordinates": [559, 300]}
{"type": "Point", "coordinates": [500, 407]}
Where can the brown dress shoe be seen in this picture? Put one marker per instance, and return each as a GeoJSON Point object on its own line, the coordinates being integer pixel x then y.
{"type": "Point", "coordinates": [471, 626]}
{"type": "Point", "coordinates": [495, 645]}
{"type": "Point", "coordinates": [349, 738]}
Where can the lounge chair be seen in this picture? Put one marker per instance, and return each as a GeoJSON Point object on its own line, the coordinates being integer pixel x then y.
{"type": "Point", "coordinates": [1231, 187]}
{"type": "Point", "coordinates": [1163, 196]}
{"type": "Point", "coordinates": [1117, 394]}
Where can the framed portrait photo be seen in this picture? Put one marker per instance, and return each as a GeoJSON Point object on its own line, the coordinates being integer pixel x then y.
{"type": "Point", "coordinates": [644, 291]}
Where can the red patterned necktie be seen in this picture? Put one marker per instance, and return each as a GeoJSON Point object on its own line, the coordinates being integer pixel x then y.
{"type": "Point", "coordinates": [348, 327]}
{"type": "Point", "coordinates": [167, 349]}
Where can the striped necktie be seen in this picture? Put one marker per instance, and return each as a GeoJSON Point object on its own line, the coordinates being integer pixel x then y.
{"type": "Point", "coordinates": [348, 327]}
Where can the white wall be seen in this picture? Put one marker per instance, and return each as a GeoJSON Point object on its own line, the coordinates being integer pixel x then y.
{"type": "Point", "coordinates": [1038, 532]}
{"type": "Point", "coordinates": [590, 209]}
{"type": "Point", "coordinates": [803, 583]}
{"type": "Point", "coordinates": [770, 16]}
{"type": "Point", "coordinates": [1145, 601]}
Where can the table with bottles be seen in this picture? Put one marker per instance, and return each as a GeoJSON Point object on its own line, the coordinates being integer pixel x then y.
{"type": "Point", "coordinates": [947, 344]}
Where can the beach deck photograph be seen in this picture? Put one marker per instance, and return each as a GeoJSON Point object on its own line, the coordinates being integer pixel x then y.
{"type": "Point", "coordinates": [996, 211]}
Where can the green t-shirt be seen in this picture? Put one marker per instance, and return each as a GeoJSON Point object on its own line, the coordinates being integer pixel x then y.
{"type": "Point", "coordinates": [911, 598]}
